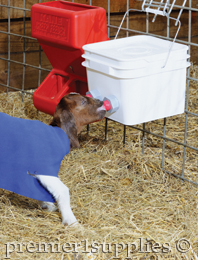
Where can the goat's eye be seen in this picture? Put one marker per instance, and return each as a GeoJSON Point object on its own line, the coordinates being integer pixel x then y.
{"type": "Point", "coordinates": [84, 102]}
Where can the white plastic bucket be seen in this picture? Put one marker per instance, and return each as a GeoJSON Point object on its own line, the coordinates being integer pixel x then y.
{"type": "Point", "coordinates": [132, 70]}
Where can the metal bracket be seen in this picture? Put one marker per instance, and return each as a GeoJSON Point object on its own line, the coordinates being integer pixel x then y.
{"type": "Point", "coordinates": [158, 8]}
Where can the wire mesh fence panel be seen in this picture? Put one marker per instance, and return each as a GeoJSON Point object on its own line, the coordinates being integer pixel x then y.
{"type": "Point", "coordinates": [24, 66]}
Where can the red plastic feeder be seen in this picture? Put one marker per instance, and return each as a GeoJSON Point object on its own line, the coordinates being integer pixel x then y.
{"type": "Point", "coordinates": [62, 28]}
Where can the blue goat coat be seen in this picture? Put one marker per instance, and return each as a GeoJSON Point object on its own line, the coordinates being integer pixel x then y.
{"type": "Point", "coordinates": [29, 146]}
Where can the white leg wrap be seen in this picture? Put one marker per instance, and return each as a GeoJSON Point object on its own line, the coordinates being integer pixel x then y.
{"type": "Point", "coordinates": [61, 194]}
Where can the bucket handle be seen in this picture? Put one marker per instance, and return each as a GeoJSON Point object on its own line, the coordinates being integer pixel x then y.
{"type": "Point", "coordinates": [156, 12]}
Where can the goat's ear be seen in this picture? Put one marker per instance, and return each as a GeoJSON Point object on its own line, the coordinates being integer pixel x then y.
{"type": "Point", "coordinates": [68, 124]}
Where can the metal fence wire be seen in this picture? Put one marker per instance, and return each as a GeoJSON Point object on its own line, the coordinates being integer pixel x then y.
{"type": "Point", "coordinates": [21, 52]}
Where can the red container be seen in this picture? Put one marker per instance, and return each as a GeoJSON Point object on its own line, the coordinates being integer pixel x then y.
{"type": "Point", "coordinates": [62, 28]}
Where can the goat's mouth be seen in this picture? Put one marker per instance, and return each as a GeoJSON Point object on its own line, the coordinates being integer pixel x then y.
{"type": "Point", "coordinates": [101, 112]}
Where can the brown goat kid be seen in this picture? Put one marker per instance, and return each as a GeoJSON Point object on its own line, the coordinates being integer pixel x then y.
{"type": "Point", "coordinates": [33, 170]}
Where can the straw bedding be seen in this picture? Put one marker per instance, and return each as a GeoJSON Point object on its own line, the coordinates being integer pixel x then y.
{"type": "Point", "coordinates": [119, 196]}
